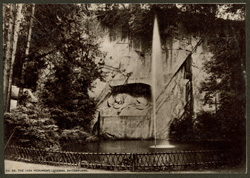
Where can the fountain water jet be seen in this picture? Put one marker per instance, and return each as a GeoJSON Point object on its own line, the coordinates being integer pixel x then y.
{"type": "Point", "coordinates": [156, 76]}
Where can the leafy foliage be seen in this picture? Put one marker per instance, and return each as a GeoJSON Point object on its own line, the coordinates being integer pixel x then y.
{"type": "Point", "coordinates": [65, 91]}
{"type": "Point", "coordinates": [135, 21]}
{"type": "Point", "coordinates": [77, 134]}
{"type": "Point", "coordinates": [227, 79]}
{"type": "Point", "coordinates": [60, 66]}
{"type": "Point", "coordinates": [182, 130]}
{"type": "Point", "coordinates": [207, 127]}
{"type": "Point", "coordinates": [31, 127]}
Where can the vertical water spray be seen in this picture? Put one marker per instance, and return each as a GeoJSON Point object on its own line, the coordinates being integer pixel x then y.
{"type": "Point", "coordinates": [156, 73]}
{"type": "Point", "coordinates": [157, 80]}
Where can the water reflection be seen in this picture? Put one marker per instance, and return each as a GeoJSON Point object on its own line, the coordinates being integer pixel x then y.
{"type": "Point", "coordinates": [143, 146]}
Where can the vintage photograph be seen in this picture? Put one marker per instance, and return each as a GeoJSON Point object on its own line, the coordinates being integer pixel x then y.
{"type": "Point", "coordinates": [124, 88]}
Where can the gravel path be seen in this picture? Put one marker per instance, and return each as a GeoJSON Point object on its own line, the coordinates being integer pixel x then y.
{"type": "Point", "coordinates": [16, 167]}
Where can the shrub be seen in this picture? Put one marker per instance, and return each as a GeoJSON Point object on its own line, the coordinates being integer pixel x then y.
{"type": "Point", "coordinates": [76, 135]}
{"type": "Point", "coordinates": [181, 129]}
{"type": "Point", "coordinates": [207, 126]}
{"type": "Point", "coordinates": [31, 127]}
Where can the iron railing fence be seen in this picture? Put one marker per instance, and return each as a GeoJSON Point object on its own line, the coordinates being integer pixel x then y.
{"type": "Point", "coordinates": [169, 161]}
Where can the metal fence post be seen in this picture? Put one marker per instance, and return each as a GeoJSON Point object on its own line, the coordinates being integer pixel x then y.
{"type": "Point", "coordinates": [195, 160]}
{"type": "Point", "coordinates": [133, 162]}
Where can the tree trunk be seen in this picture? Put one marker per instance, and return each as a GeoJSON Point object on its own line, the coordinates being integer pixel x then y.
{"type": "Point", "coordinates": [26, 52]}
{"type": "Point", "coordinates": [18, 18]}
{"type": "Point", "coordinates": [5, 6]}
{"type": "Point", "coordinates": [8, 56]}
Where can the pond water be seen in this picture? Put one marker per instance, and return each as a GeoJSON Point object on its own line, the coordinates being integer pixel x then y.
{"type": "Point", "coordinates": [143, 146]}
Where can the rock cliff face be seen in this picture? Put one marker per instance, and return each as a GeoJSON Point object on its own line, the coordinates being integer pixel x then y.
{"type": "Point", "coordinates": [124, 114]}
{"type": "Point", "coordinates": [127, 127]}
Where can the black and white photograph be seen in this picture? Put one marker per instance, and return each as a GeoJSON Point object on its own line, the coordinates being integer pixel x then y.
{"type": "Point", "coordinates": [124, 88]}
